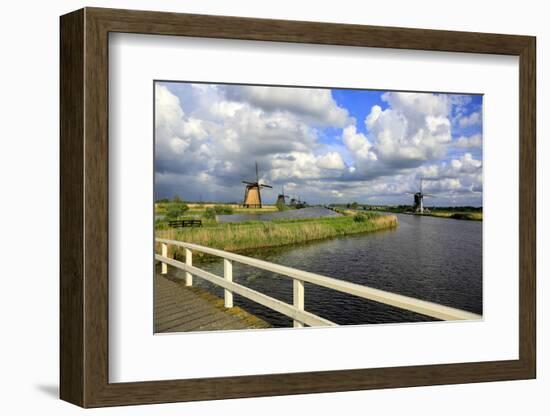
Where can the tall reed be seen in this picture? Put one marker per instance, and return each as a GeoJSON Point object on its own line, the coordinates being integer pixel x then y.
{"type": "Point", "coordinates": [245, 236]}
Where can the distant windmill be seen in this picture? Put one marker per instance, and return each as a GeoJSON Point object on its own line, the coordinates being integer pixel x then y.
{"type": "Point", "coordinates": [281, 198]}
{"type": "Point", "coordinates": [252, 197]}
{"type": "Point", "coordinates": [418, 206]}
{"type": "Point", "coordinates": [297, 202]}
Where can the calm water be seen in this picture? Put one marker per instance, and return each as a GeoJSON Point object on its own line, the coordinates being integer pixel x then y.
{"type": "Point", "coordinates": [312, 212]}
{"type": "Point", "coordinates": [434, 259]}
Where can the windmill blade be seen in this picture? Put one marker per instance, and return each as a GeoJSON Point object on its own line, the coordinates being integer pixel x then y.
{"type": "Point", "coordinates": [410, 193]}
{"type": "Point", "coordinates": [429, 195]}
{"type": "Point", "coordinates": [250, 183]}
{"type": "Point", "coordinates": [257, 179]}
{"type": "Point", "coordinates": [266, 186]}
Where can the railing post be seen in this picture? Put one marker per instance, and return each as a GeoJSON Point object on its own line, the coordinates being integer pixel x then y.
{"type": "Point", "coordinates": [164, 253]}
{"type": "Point", "coordinates": [189, 262]}
{"type": "Point", "coordinates": [298, 295]}
{"type": "Point", "coordinates": [228, 275]}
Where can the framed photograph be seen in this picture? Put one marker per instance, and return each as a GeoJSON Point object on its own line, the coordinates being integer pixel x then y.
{"type": "Point", "coordinates": [255, 207]}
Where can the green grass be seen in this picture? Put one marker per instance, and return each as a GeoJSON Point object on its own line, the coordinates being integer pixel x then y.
{"type": "Point", "coordinates": [472, 216]}
{"type": "Point", "coordinates": [206, 213]}
{"type": "Point", "coordinates": [256, 234]}
{"type": "Point", "coordinates": [457, 212]}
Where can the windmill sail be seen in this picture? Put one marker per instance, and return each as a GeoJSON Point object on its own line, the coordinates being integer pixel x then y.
{"type": "Point", "coordinates": [281, 198]}
{"type": "Point", "coordinates": [252, 195]}
{"type": "Point", "coordinates": [418, 206]}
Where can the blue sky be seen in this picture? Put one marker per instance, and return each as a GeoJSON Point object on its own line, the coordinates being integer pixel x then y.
{"type": "Point", "coordinates": [325, 145]}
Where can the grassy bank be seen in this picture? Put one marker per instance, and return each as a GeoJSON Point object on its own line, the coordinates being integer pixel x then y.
{"type": "Point", "coordinates": [472, 216]}
{"type": "Point", "coordinates": [452, 214]}
{"type": "Point", "coordinates": [253, 235]}
{"type": "Point", "coordinates": [205, 212]}
{"type": "Point", "coordinates": [466, 212]}
{"type": "Point", "coordinates": [199, 209]}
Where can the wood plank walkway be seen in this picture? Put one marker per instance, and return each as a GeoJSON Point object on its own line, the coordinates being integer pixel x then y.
{"type": "Point", "coordinates": [181, 309]}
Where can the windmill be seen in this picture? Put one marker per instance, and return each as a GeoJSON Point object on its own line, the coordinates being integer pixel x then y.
{"type": "Point", "coordinates": [281, 198]}
{"type": "Point", "coordinates": [418, 206]}
{"type": "Point", "coordinates": [252, 197]}
{"type": "Point", "coordinates": [297, 202]}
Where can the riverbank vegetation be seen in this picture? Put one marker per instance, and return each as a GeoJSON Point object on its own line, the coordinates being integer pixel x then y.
{"type": "Point", "coordinates": [456, 213]}
{"type": "Point", "coordinates": [176, 209]}
{"type": "Point", "coordinates": [245, 236]}
{"type": "Point", "coordinates": [211, 212]}
{"type": "Point", "coordinates": [472, 216]}
{"type": "Point", "coordinates": [198, 210]}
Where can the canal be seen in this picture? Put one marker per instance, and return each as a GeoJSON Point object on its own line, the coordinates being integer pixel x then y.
{"type": "Point", "coordinates": [292, 214]}
{"type": "Point", "coordinates": [434, 259]}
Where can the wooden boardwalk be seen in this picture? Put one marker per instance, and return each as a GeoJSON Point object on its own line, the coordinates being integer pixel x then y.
{"type": "Point", "coordinates": [181, 309]}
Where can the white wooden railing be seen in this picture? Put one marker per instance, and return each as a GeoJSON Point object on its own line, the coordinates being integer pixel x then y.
{"type": "Point", "coordinates": [296, 310]}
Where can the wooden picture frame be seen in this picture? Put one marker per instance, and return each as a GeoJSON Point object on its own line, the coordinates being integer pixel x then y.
{"type": "Point", "coordinates": [84, 207]}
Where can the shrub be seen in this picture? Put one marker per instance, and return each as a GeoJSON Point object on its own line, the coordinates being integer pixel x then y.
{"type": "Point", "coordinates": [223, 210]}
{"type": "Point", "coordinates": [360, 218]}
{"type": "Point", "coordinates": [209, 213]}
{"type": "Point", "coordinates": [175, 209]}
{"type": "Point", "coordinates": [161, 225]}
{"type": "Point", "coordinates": [281, 206]}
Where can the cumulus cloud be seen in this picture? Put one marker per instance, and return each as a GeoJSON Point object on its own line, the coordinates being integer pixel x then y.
{"type": "Point", "coordinates": [466, 164]}
{"type": "Point", "coordinates": [461, 175]}
{"type": "Point", "coordinates": [331, 160]}
{"type": "Point", "coordinates": [222, 137]}
{"type": "Point", "coordinates": [454, 168]}
{"type": "Point", "coordinates": [358, 144]}
{"type": "Point", "coordinates": [468, 142]}
{"type": "Point", "coordinates": [179, 139]}
{"type": "Point", "coordinates": [470, 120]}
{"type": "Point", "coordinates": [414, 128]}
{"type": "Point", "coordinates": [209, 136]}
{"type": "Point", "coordinates": [315, 105]}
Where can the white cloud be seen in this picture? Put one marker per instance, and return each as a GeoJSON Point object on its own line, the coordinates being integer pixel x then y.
{"type": "Point", "coordinates": [455, 168]}
{"type": "Point", "coordinates": [331, 160]}
{"type": "Point", "coordinates": [208, 138]}
{"type": "Point", "coordinates": [459, 176]}
{"type": "Point", "coordinates": [414, 129]}
{"type": "Point", "coordinates": [466, 164]}
{"type": "Point", "coordinates": [444, 185]}
{"type": "Point", "coordinates": [298, 165]}
{"type": "Point", "coordinates": [314, 105]}
{"type": "Point", "coordinates": [167, 107]}
{"type": "Point", "coordinates": [225, 108]}
{"type": "Point", "coordinates": [178, 145]}
{"type": "Point", "coordinates": [357, 144]}
{"type": "Point", "coordinates": [176, 134]}
{"type": "Point", "coordinates": [304, 166]}
{"type": "Point", "coordinates": [468, 142]}
{"type": "Point", "coordinates": [471, 120]}
{"type": "Point", "coordinates": [193, 127]}
{"type": "Point", "coordinates": [223, 139]}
